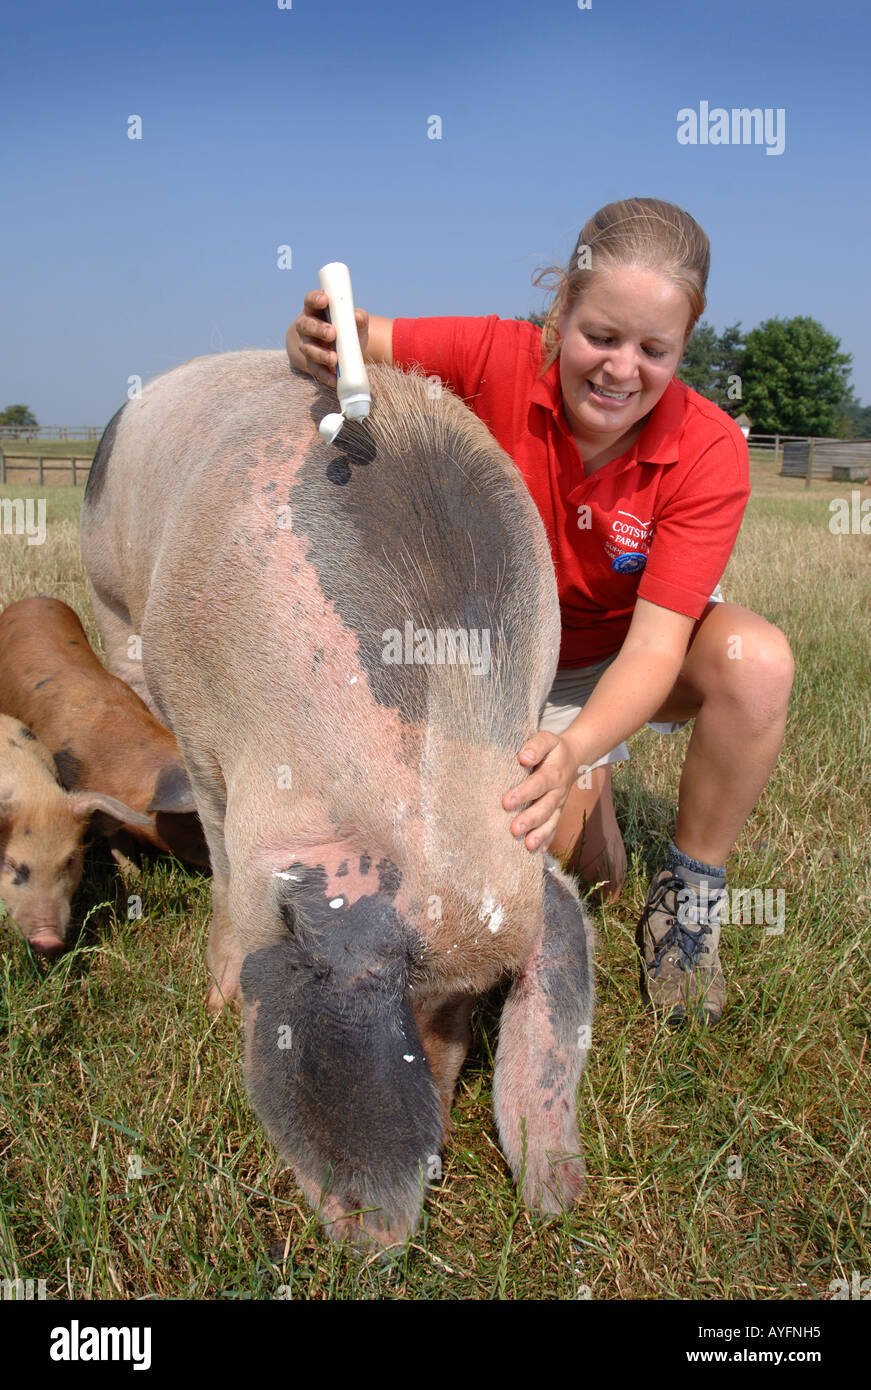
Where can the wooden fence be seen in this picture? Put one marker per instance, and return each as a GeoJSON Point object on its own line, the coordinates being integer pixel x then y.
{"type": "Point", "coordinates": [802, 456]}
{"type": "Point", "coordinates": [842, 460]}
{"type": "Point", "coordinates": [51, 431]}
{"type": "Point", "coordinates": [79, 466]}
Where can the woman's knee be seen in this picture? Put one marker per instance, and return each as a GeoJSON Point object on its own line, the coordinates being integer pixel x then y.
{"type": "Point", "coordinates": [746, 660]}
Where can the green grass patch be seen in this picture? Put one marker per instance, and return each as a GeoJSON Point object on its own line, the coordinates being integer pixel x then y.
{"type": "Point", "coordinates": [726, 1165]}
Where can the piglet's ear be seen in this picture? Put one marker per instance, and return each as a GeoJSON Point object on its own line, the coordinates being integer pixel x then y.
{"type": "Point", "coordinates": [83, 804]}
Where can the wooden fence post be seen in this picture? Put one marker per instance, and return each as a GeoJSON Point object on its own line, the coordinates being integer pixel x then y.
{"type": "Point", "coordinates": [41, 474]}
{"type": "Point", "coordinates": [2, 465]}
{"type": "Point", "coordinates": [810, 462]}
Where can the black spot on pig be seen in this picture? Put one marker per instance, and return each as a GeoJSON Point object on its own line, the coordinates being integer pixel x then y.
{"type": "Point", "coordinates": [13, 744]}
{"type": "Point", "coordinates": [389, 877]}
{"type": "Point", "coordinates": [365, 863]}
{"type": "Point", "coordinates": [99, 467]}
{"type": "Point", "coordinates": [22, 875]}
{"type": "Point", "coordinates": [69, 768]}
{"type": "Point", "coordinates": [342, 869]}
{"type": "Point", "coordinates": [391, 542]}
{"type": "Point", "coordinates": [26, 733]}
{"type": "Point", "coordinates": [335, 1066]}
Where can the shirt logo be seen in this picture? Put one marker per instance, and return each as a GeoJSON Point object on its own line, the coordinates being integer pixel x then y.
{"type": "Point", "coordinates": [628, 564]}
{"type": "Point", "coordinates": [627, 535]}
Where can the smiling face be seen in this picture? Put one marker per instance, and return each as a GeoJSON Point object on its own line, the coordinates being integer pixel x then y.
{"type": "Point", "coordinates": [625, 337]}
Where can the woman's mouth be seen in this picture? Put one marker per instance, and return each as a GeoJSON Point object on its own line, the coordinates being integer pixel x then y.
{"type": "Point", "coordinates": [612, 398]}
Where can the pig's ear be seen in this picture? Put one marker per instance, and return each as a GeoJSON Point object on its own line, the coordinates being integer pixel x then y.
{"type": "Point", "coordinates": [84, 804]}
{"type": "Point", "coordinates": [173, 792]}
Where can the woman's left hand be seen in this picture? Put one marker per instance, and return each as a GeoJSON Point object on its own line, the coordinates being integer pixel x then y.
{"type": "Point", "coordinates": [547, 788]}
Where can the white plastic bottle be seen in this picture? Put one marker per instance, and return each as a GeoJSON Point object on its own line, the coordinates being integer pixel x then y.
{"type": "Point", "coordinates": [355, 397]}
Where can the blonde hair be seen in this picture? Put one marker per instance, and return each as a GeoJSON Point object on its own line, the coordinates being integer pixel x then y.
{"type": "Point", "coordinates": [635, 231]}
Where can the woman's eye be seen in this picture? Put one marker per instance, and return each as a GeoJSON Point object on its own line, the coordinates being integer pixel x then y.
{"type": "Point", "coordinates": [652, 352]}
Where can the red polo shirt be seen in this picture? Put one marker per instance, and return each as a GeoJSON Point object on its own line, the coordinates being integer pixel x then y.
{"type": "Point", "coordinates": [659, 522]}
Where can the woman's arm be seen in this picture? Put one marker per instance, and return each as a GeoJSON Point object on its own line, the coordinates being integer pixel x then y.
{"type": "Point", "coordinates": [629, 693]}
{"type": "Point", "coordinates": [635, 685]}
{"type": "Point", "coordinates": [309, 336]}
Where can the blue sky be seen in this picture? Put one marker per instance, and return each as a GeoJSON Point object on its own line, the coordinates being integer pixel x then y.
{"type": "Point", "coordinates": [308, 127]}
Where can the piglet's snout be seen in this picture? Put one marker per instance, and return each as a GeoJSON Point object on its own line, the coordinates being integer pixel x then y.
{"type": "Point", "coordinates": [45, 925]}
{"type": "Point", "coordinates": [47, 943]}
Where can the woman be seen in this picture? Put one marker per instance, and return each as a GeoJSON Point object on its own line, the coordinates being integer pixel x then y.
{"type": "Point", "coordinates": [641, 484]}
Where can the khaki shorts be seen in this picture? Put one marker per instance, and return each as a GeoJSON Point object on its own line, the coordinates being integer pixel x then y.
{"type": "Point", "coordinates": [572, 688]}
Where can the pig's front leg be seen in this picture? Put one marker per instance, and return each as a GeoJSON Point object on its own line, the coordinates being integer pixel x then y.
{"type": "Point", "coordinates": [223, 955]}
{"type": "Point", "coordinates": [443, 1025]}
{"type": "Point", "coordinates": [544, 1036]}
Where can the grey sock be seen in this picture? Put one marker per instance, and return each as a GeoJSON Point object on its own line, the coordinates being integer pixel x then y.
{"type": "Point", "coordinates": [692, 871]}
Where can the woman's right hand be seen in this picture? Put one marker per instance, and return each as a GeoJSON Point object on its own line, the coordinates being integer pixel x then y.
{"type": "Point", "coordinates": [310, 338]}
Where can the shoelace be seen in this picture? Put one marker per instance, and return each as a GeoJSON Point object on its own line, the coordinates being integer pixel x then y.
{"type": "Point", "coordinates": [688, 942]}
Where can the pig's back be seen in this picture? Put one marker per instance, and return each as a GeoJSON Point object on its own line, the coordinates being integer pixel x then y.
{"type": "Point", "coordinates": [276, 575]}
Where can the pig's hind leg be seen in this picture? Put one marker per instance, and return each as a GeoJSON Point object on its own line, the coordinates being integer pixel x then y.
{"type": "Point", "coordinates": [544, 1036]}
{"type": "Point", "coordinates": [123, 646]}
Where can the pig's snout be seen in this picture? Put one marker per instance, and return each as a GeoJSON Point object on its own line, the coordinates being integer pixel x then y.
{"type": "Point", "coordinates": [334, 1062]}
{"type": "Point", "coordinates": [46, 942]}
{"type": "Point", "coordinates": [44, 925]}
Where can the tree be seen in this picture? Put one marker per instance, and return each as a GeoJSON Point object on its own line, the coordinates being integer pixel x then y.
{"type": "Point", "coordinates": [727, 386]}
{"type": "Point", "coordinates": [19, 417]}
{"type": "Point", "coordinates": [795, 380]}
{"type": "Point", "coordinates": [700, 359]}
{"type": "Point", "coordinates": [712, 365]}
{"type": "Point", "coordinates": [856, 420]}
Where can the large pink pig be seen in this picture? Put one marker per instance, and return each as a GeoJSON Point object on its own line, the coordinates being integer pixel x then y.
{"type": "Point", "coordinates": [351, 642]}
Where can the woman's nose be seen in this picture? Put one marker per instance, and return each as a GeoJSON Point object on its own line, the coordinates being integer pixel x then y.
{"type": "Point", "coordinates": [620, 363]}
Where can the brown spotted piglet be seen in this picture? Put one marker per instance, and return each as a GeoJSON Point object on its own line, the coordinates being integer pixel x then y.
{"type": "Point", "coordinates": [99, 731]}
{"type": "Point", "coordinates": [42, 828]}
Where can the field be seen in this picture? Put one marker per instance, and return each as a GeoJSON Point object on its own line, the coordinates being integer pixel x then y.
{"type": "Point", "coordinates": [726, 1165]}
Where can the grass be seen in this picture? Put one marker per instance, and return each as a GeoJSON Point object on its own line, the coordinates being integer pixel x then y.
{"type": "Point", "coordinates": [726, 1165]}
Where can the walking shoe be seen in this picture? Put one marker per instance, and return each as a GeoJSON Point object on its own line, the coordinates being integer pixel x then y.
{"type": "Point", "coordinates": [678, 936]}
